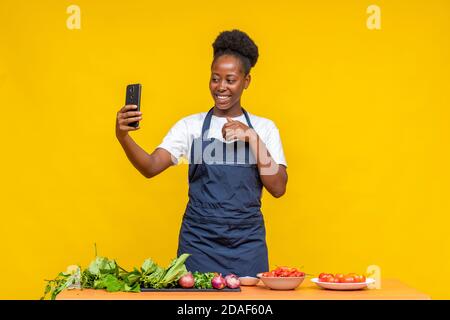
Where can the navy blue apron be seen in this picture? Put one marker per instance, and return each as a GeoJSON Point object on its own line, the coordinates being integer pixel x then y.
{"type": "Point", "coordinates": [223, 227]}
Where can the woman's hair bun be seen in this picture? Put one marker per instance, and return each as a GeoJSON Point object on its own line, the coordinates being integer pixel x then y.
{"type": "Point", "coordinates": [239, 43]}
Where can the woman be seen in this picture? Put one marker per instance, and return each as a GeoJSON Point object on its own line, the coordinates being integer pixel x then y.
{"type": "Point", "coordinates": [232, 155]}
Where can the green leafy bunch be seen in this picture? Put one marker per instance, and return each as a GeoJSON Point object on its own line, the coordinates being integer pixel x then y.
{"type": "Point", "coordinates": [104, 273]}
{"type": "Point", "coordinates": [203, 280]}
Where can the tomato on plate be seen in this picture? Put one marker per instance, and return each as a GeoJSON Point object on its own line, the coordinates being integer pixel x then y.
{"type": "Point", "coordinates": [327, 278]}
{"type": "Point", "coordinates": [360, 278]}
{"type": "Point", "coordinates": [340, 277]}
{"type": "Point", "coordinates": [323, 275]}
{"type": "Point", "coordinates": [349, 278]}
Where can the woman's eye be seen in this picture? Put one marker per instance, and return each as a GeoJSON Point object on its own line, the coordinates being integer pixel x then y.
{"type": "Point", "coordinates": [231, 81]}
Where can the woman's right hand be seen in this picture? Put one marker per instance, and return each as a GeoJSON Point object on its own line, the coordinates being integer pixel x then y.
{"type": "Point", "coordinates": [125, 116]}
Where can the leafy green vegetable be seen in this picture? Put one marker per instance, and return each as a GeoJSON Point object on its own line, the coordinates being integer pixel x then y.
{"type": "Point", "coordinates": [94, 275]}
{"type": "Point", "coordinates": [55, 286]}
{"type": "Point", "coordinates": [135, 288]}
{"type": "Point", "coordinates": [102, 266]}
{"type": "Point", "coordinates": [103, 273]}
{"type": "Point", "coordinates": [132, 277]}
{"type": "Point", "coordinates": [203, 280]}
{"type": "Point", "coordinates": [174, 272]}
{"type": "Point", "coordinates": [148, 267]}
{"type": "Point", "coordinates": [109, 282]}
{"type": "Point", "coordinates": [152, 280]}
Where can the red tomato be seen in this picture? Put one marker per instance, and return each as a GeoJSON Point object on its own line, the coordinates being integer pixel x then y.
{"type": "Point", "coordinates": [283, 271]}
{"type": "Point", "coordinates": [360, 278]}
{"type": "Point", "coordinates": [323, 275]}
{"type": "Point", "coordinates": [340, 277]}
{"type": "Point", "coordinates": [293, 273]}
{"type": "Point", "coordinates": [327, 278]}
{"type": "Point", "coordinates": [348, 278]}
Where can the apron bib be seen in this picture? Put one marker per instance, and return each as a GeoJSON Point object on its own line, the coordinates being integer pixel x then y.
{"type": "Point", "coordinates": [223, 227]}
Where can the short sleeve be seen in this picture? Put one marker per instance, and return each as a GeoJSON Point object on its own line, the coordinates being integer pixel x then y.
{"type": "Point", "coordinates": [176, 140]}
{"type": "Point", "coordinates": [274, 145]}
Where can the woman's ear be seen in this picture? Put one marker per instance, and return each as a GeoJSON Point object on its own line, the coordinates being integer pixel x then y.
{"type": "Point", "coordinates": [247, 80]}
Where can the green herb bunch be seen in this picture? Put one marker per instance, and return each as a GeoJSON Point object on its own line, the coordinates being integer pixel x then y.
{"type": "Point", "coordinates": [104, 273]}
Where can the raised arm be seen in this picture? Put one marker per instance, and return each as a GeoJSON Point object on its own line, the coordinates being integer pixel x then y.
{"type": "Point", "coordinates": [149, 165]}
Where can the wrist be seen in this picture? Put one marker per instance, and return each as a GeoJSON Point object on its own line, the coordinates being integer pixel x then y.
{"type": "Point", "coordinates": [121, 137]}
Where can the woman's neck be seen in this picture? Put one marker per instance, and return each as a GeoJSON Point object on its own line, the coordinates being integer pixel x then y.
{"type": "Point", "coordinates": [234, 111]}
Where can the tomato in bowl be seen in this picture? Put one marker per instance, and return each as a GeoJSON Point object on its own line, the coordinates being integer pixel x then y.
{"type": "Point", "coordinates": [282, 278]}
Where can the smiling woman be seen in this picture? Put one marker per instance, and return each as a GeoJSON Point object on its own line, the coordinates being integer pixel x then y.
{"type": "Point", "coordinates": [234, 55]}
{"type": "Point", "coordinates": [223, 227]}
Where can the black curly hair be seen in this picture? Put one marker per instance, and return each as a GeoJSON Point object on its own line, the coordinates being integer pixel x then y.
{"type": "Point", "coordinates": [238, 44]}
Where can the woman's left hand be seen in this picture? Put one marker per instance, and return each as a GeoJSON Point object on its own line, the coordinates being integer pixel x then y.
{"type": "Point", "coordinates": [236, 130]}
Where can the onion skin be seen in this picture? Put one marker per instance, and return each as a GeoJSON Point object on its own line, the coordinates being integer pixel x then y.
{"type": "Point", "coordinates": [232, 281]}
{"type": "Point", "coordinates": [218, 282]}
{"type": "Point", "coordinates": [187, 281]}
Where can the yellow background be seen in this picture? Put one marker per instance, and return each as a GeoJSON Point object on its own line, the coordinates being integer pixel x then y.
{"type": "Point", "coordinates": [363, 115]}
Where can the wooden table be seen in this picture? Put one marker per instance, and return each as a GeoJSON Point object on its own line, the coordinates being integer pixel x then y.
{"type": "Point", "coordinates": [391, 289]}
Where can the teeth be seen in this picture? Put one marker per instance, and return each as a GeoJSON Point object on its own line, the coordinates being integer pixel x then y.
{"type": "Point", "coordinates": [222, 97]}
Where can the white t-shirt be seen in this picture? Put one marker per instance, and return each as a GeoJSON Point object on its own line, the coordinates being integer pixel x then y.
{"type": "Point", "coordinates": [179, 139]}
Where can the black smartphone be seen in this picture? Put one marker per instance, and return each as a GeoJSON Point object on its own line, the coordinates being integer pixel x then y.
{"type": "Point", "coordinates": [133, 96]}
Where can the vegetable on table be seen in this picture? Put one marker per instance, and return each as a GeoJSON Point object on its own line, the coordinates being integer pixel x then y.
{"type": "Point", "coordinates": [284, 272]}
{"type": "Point", "coordinates": [218, 282]}
{"type": "Point", "coordinates": [232, 281]}
{"type": "Point", "coordinates": [203, 280]}
{"type": "Point", "coordinates": [103, 273]}
{"type": "Point", "coordinates": [342, 278]}
{"type": "Point", "coordinates": [187, 281]}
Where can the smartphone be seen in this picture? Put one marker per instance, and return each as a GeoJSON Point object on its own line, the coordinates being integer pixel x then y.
{"type": "Point", "coordinates": [133, 96]}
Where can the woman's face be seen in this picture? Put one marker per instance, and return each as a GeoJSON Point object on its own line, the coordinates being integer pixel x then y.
{"type": "Point", "coordinates": [227, 81]}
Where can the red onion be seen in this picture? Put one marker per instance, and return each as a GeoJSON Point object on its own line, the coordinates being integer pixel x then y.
{"type": "Point", "coordinates": [218, 282]}
{"type": "Point", "coordinates": [187, 281]}
{"type": "Point", "coordinates": [232, 281]}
